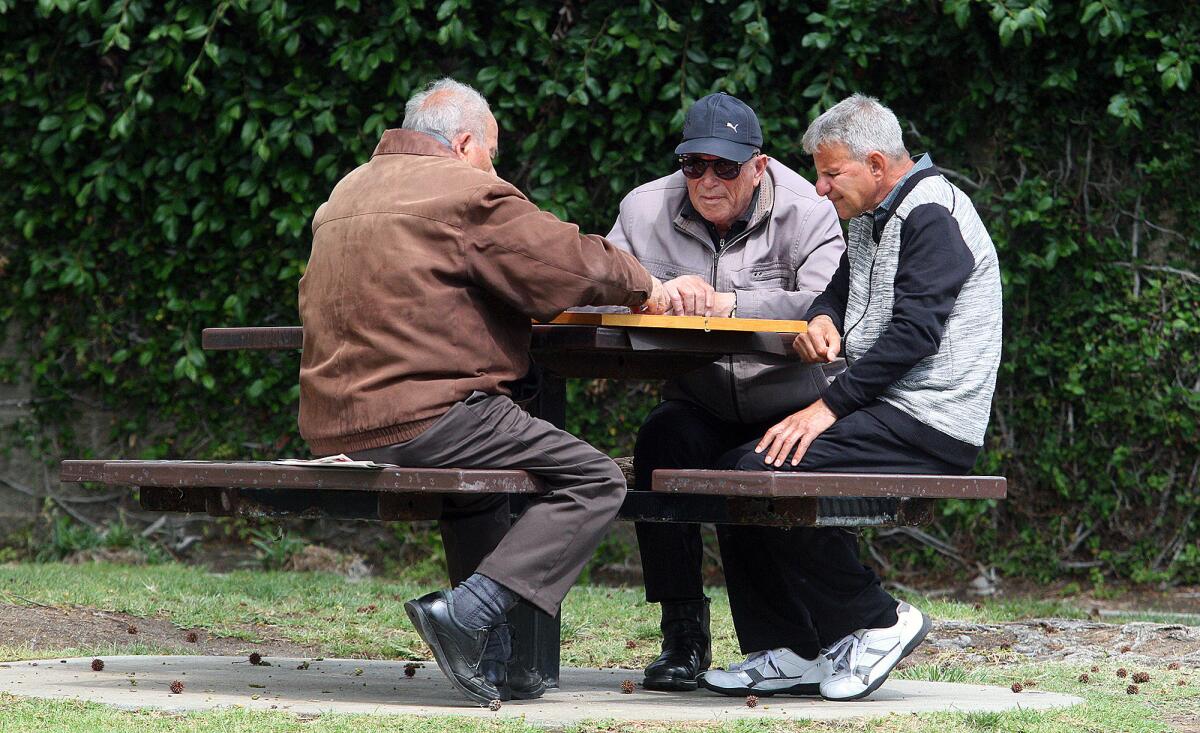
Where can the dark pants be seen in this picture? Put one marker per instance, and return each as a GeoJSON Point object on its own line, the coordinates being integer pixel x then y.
{"type": "Point", "coordinates": [804, 587]}
{"type": "Point", "coordinates": [679, 434]}
{"type": "Point", "coordinates": [542, 554]}
{"type": "Point", "coordinates": [800, 588]}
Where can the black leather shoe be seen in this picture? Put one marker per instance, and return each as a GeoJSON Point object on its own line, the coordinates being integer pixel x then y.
{"type": "Point", "coordinates": [457, 649]}
{"type": "Point", "coordinates": [525, 684]}
{"type": "Point", "coordinates": [513, 680]}
{"type": "Point", "coordinates": [686, 649]}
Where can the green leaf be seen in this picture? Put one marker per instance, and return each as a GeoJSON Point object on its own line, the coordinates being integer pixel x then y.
{"type": "Point", "coordinates": [743, 12]}
{"type": "Point", "coordinates": [303, 144]}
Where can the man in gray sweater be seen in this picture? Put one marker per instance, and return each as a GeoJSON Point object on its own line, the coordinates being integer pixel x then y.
{"type": "Point", "coordinates": [915, 309]}
{"type": "Point", "coordinates": [733, 234]}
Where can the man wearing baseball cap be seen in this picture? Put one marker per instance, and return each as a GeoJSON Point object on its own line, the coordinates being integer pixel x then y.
{"type": "Point", "coordinates": [732, 234]}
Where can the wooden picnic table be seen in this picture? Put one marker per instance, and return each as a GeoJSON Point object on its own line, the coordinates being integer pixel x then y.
{"type": "Point", "coordinates": [589, 345]}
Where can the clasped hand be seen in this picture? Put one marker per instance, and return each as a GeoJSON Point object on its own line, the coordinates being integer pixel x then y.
{"type": "Point", "coordinates": [822, 342]}
{"type": "Point", "coordinates": [691, 295]}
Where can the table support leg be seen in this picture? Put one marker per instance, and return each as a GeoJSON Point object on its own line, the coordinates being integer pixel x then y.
{"type": "Point", "coordinates": [538, 634]}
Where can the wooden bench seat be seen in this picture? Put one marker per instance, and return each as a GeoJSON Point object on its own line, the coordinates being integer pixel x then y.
{"type": "Point", "coordinates": [262, 488]}
{"type": "Point", "coordinates": [779, 484]}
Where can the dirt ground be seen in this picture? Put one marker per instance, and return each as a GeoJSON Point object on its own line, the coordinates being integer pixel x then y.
{"type": "Point", "coordinates": [1060, 640]}
{"type": "Point", "coordinates": [42, 627]}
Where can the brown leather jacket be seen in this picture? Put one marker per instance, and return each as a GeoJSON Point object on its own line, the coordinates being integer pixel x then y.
{"type": "Point", "coordinates": [423, 277]}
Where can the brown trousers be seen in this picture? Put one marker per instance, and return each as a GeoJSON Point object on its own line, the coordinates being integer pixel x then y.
{"type": "Point", "coordinates": [543, 552]}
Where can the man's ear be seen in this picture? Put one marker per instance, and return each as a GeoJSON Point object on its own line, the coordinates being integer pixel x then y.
{"type": "Point", "coordinates": [760, 167]}
{"type": "Point", "coordinates": [460, 143]}
{"type": "Point", "coordinates": [876, 163]}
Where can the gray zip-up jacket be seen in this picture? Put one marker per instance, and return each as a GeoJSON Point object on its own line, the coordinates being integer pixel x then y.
{"type": "Point", "coordinates": [776, 266]}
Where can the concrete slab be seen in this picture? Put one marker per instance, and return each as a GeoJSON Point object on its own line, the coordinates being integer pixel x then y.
{"type": "Point", "coordinates": [378, 687]}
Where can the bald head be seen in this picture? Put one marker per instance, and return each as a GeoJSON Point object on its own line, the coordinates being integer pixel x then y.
{"type": "Point", "coordinates": [458, 114]}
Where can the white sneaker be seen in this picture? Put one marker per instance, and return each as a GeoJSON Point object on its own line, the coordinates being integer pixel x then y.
{"type": "Point", "coordinates": [773, 672]}
{"type": "Point", "coordinates": [863, 660]}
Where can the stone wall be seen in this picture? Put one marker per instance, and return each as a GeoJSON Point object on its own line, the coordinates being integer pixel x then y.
{"type": "Point", "coordinates": [20, 472]}
{"type": "Point", "coordinates": [28, 476]}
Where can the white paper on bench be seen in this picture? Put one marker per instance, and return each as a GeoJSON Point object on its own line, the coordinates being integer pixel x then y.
{"type": "Point", "coordinates": [341, 460]}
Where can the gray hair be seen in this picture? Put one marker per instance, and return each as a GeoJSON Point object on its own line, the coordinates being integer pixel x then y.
{"type": "Point", "coordinates": [448, 108]}
{"type": "Point", "coordinates": [860, 123]}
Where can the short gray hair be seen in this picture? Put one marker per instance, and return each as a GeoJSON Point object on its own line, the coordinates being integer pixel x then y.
{"type": "Point", "coordinates": [860, 123]}
{"type": "Point", "coordinates": [448, 108]}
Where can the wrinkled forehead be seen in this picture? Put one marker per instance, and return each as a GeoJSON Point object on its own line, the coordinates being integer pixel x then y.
{"type": "Point", "coordinates": [832, 154]}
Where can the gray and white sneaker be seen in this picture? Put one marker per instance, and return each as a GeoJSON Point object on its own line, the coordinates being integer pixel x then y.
{"type": "Point", "coordinates": [863, 660]}
{"type": "Point", "coordinates": [772, 672]}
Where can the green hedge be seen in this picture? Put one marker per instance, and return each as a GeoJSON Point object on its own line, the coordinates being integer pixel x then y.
{"type": "Point", "coordinates": [162, 160]}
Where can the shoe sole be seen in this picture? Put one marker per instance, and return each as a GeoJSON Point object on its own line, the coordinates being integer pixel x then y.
{"type": "Point", "coordinates": [427, 633]}
{"type": "Point", "coordinates": [531, 695]}
{"type": "Point", "coordinates": [926, 626]}
{"type": "Point", "coordinates": [807, 688]}
{"type": "Point", "coordinates": [669, 684]}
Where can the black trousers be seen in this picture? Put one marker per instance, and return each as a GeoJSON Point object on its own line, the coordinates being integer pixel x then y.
{"type": "Point", "coordinates": [803, 587]}
{"type": "Point", "coordinates": [679, 434]}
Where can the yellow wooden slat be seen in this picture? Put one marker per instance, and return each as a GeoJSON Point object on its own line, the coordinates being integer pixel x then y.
{"type": "Point", "coordinates": [695, 323]}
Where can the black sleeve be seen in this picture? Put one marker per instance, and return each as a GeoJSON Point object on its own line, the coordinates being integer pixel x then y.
{"type": "Point", "coordinates": [832, 302]}
{"type": "Point", "coordinates": [934, 263]}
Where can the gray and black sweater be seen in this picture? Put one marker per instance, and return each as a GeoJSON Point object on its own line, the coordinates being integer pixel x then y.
{"type": "Point", "coordinates": [916, 298]}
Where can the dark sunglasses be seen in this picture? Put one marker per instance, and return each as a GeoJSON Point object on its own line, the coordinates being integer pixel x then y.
{"type": "Point", "coordinates": [694, 167]}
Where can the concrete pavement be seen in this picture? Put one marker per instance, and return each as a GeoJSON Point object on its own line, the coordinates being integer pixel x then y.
{"type": "Point", "coordinates": [379, 687]}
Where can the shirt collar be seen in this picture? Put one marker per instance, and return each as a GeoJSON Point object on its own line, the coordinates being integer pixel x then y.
{"type": "Point", "coordinates": [411, 142]}
{"type": "Point", "coordinates": [922, 163]}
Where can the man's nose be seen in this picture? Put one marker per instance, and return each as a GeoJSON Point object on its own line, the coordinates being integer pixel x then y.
{"type": "Point", "coordinates": [822, 186]}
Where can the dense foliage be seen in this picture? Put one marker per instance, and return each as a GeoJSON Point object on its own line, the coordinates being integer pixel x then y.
{"type": "Point", "coordinates": [162, 160]}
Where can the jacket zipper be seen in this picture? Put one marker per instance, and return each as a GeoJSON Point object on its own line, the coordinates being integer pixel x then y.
{"type": "Point", "coordinates": [733, 397]}
{"type": "Point", "coordinates": [721, 247]}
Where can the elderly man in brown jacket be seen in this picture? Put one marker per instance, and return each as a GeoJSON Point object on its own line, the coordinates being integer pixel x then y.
{"type": "Point", "coordinates": [426, 269]}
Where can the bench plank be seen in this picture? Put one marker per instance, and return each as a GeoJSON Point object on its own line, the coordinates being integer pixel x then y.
{"type": "Point", "coordinates": [261, 338]}
{"type": "Point", "coordinates": [779, 484]}
{"type": "Point", "coordinates": [267, 475]}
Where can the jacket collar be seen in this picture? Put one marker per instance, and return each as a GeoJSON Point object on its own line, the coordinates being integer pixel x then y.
{"type": "Point", "coordinates": [880, 216]}
{"type": "Point", "coordinates": [410, 142]}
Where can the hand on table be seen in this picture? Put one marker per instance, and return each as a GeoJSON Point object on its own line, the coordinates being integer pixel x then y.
{"type": "Point", "coordinates": [659, 302]}
{"type": "Point", "coordinates": [822, 342]}
{"type": "Point", "coordinates": [799, 429]}
{"type": "Point", "coordinates": [690, 296]}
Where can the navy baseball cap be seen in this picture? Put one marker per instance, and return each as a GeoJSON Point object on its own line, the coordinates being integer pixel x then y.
{"type": "Point", "coordinates": [721, 125]}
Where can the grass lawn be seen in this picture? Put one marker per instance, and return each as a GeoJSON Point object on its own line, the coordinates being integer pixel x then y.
{"type": "Point", "coordinates": [323, 611]}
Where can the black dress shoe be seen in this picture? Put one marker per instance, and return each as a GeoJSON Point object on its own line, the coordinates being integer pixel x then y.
{"type": "Point", "coordinates": [525, 684]}
{"type": "Point", "coordinates": [686, 649]}
{"type": "Point", "coordinates": [457, 649]}
{"type": "Point", "coordinates": [512, 679]}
